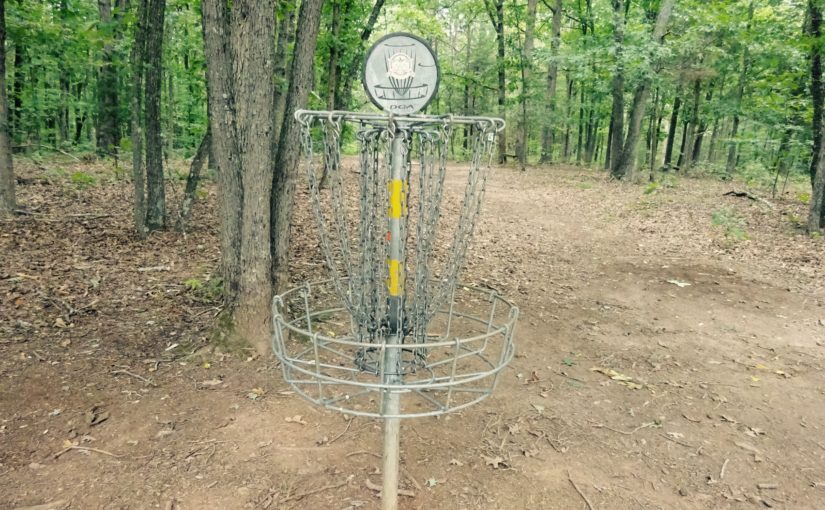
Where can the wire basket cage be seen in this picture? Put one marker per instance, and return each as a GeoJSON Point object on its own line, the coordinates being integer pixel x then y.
{"type": "Point", "coordinates": [470, 341]}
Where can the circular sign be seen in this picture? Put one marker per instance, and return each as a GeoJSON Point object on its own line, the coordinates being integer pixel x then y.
{"type": "Point", "coordinates": [401, 73]}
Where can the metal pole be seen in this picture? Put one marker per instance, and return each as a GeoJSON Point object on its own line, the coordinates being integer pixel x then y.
{"type": "Point", "coordinates": [392, 352]}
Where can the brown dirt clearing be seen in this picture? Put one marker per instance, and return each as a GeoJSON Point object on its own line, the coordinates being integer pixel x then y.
{"type": "Point", "coordinates": [671, 354]}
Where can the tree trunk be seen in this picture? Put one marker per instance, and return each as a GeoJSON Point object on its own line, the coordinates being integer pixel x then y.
{"type": "Point", "coordinates": [817, 91]}
{"type": "Point", "coordinates": [224, 146]}
{"type": "Point", "coordinates": [332, 61]}
{"type": "Point", "coordinates": [16, 114]}
{"type": "Point", "coordinates": [617, 113]}
{"type": "Point", "coordinates": [580, 136]}
{"type": "Point", "coordinates": [730, 166]}
{"type": "Point", "coordinates": [816, 214]}
{"type": "Point", "coordinates": [108, 123]}
{"type": "Point", "coordinates": [352, 70]}
{"type": "Point", "coordinates": [608, 148]}
{"type": "Point", "coordinates": [549, 129]}
{"type": "Point", "coordinates": [703, 127]}
{"type": "Point", "coordinates": [289, 151]}
{"type": "Point", "coordinates": [138, 181]}
{"type": "Point", "coordinates": [569, 110]}
{"type": "Point", "coordinates": [522, 134]}
{"type": "Point", "coordinates": [286, 36]}
{"type": "Point", "coordinates": [189, 194]}
{"type": "Point", "coordinates": [625, 163]}
{"type": "Point", "coordinates": [671, 131]}
{"type": "Point", "coordinates": [8, 202]}
{"type": "Point", "coordinates": [687, 160]}
{"type": "Point", "coordinates": [653, 133]}
{"type": "Point", "coordinates": [495, 9]}
{"type": "Point", "coordinates": [156, 194]}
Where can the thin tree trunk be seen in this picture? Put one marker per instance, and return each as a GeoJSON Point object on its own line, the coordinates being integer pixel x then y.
{"type": "Point", "coordinates": [523, 132]}
{"type": "Point", "coordinates": [138, 181]}
{"type": "Point", "coordinates": [625, 163]}
{"type": "Point", "coordinates": [671, 130]}
{"type": "Point", "coordinates": [703, 127]}
{"type": "Point", "coordinates": [608, 147]}
{"type": "Point", "coordinates": [549, 128]}
{"type": "Point", "coordinates": [580, 137]}
{"type": "Point", "coordinates": [283, 181]}
{"type": "Point", "coordinates": [16, 114]}
{"type": "Point", "coordinates": [569, 111]}
{"type": "Point", "coordinates": [332, 61]}
{"type": "Point", "coordinates": [714, 137]}
{"type": "Point", "coordinates": [8, 202]}
{"type": "Point", "coordinates": [687, 160]}
{"type": "Point", "coordinates": [617, 113]}
{"type": "Point", "coordinates": [156, 192]}
{"type": "Point", "coordinates": [495, 9]}
{"type": "Point", "coordinates": [189, 194]}
{"type": "Point", "coordinates": [352, 70]}
{"type": "Point", "coordinates": [108, 123]}
{"type": "Point", "coordinates": [730, 166]}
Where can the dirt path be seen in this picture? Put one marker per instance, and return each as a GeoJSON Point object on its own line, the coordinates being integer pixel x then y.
{"type": "Point", "coordinates": [707, 395]}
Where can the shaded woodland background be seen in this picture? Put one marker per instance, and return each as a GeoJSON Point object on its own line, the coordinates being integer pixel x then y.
{"type": "Point", "coordinates": [641, 88]}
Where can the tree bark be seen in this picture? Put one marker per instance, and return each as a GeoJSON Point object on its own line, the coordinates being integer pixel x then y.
{"type": "Point", "coordinates": [138, 181]}
{"type": "Point", "coordinates": [189, 194]}
{"type": "Point", "coordinates": [283, 181]}
{"type": "Point", "coordinates": [286, 36]}
{"type": "Point", "coordinates": [8, 202]}
{"type": "Point", "coordinates": [108, 122]}
{"type": "Point", "coordinates": [730, 166]}
{"type": "Point", "coordinates": [156, 193]}
{"type": "Point", "coordinates": [223, 125]}
{"type": "Point", "coordinates": [625, 163]}
{"type": "Point", "coordinates": [568, 112]}
{"type": "Point", "coordinates": [495, 10]}
{"type": "Point", "coordinates": [617, 89]}
{"type": "Point", "coordinates": [548, 131]}
{"type": "Point", "coordinates": [671, 130]}
{"type": "Point", "coordinates": [522, 133]}
{"type": "Point", "coordinates": [816, 214]}
{"type": "Point", "coordinates": [687, 159]}
{"type": "Point", "coordinates": [703, 127]}
{"type": "Point", "coordinates": [817, 90]}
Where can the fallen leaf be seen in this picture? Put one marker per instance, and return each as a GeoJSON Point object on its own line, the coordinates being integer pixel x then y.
{"type": "Point", "coordinates": [456, 462]}
{"type": "Point", "coordinates": [431, 482]}
{"type": "Point", "coordinates": [59, 323]}
{"type": "Point", "coordinates": [538, 407]}
{"type": "Point", "coordinates": [678, 283]}
{"type": "Point", "coordinates": [497, 462]}
{"type": "Point", "coordinates": [295, 419]}
{"type": "Point", "coordinates": [626, 380]}
{"type": "Point", "coordinates": [210, 382]}
{"type": "Point", "coordinates": [255, 394]}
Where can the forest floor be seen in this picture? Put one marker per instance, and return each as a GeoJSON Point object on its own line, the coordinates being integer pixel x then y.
{"type": "Point", "coordinates": [709, 309]}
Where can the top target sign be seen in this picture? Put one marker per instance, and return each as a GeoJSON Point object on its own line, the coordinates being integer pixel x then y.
{"type": "Point", "coordinates": [401, 73]}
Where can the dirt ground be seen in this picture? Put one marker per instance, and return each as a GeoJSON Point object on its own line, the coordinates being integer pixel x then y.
{"type": "Point", "coordinates": [671, 354]}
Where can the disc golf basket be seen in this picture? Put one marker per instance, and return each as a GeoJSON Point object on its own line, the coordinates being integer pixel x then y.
{"type": "Point", "coordinates": [390, 333]}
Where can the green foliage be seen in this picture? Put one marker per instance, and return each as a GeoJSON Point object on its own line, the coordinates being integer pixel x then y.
{"type": "Point", "coordinates": [731, 222]}
{"type": "Point", "coordinates": [651, 188]}
{"type": "Point", "coordinates": [208, 291]}
{"type": "Point", "coordinates": [82, 179]}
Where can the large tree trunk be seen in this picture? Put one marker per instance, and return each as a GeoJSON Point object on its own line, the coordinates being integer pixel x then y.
{"type": "Point", "coordinates": [730, 166]}
{"type": "Point", "coordinates": [7, 181]}
{"type": "Point", "coordinates": [108, 124]}
{"type": "Point", "coordinates": [289, 151]}
{"type": "Point", "coordinates": [626, 161]}
{"type": "Point", "coordinates": [548, 131]}
{"type": "Point", "coordinates": [138, 181]}
{"type": "Point", "coordinates": [817, 91]}
{"type": "Point", "coordinates": [522, 134]}
{"type": "Point", "coordinates": [156, 193]}
{"type": "Point", "coordinates": [224, 146]}
{"type": "Point", "coordinates": [286, 36]}
{"type": "Point", "coordinates": [495, 9]}
{"type": "Point", "coordinates": [816, 214]}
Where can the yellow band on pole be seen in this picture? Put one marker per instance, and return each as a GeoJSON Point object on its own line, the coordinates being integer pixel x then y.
{"type": "Point", "coordinates": [395, 280]}
{"type": "Point", "coordinates": [396, 189]}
